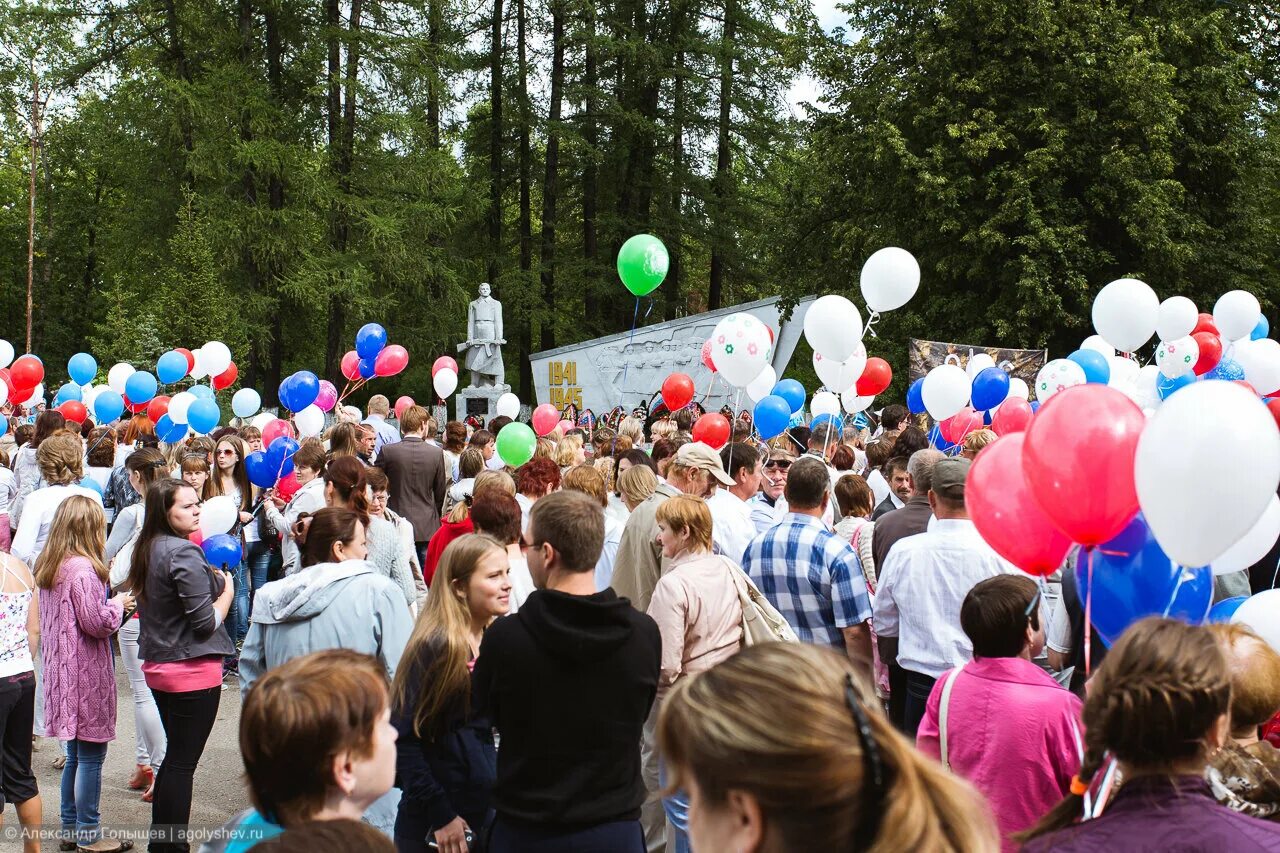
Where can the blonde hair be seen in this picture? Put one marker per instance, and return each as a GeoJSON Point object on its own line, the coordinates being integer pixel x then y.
{"type": "Point", "coordinates": [606, 466]}
{"type": "Point", "coordinates": [686, 513]}
{"type": "Point", "coordinates": [978, 439]}
{"type": "Point", "coordinates": [500, 480]}
{"type": "Point", "coordinates": [61, 459]}
{"type": "Point", "coordinates": [79, 529]}
{"type": "Point", "coordinates": [637, 483]}
{"type": "Point", "coordinates": [801, 727]}
{"type": "Point", "coordinates": [567, 450]}
{"type": "Point", "coordinates": [545, 449]}
{"type": "Point", "coordinates": [633, 428]}
{"type": "Point", "coordinates": [589, 481]}
{"type": "Point", "coordinates": [443, 627]}
{"type": "Point", "coordinates": [1255, 676]}
{"type": "Point", "coordinates": [664, 428]}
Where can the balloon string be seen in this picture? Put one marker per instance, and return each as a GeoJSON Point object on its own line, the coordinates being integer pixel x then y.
{"type": "Point", "coordinates": [1088, 616]}
{"type": "Point", "coordinates": [626, 362]}
{"type": "Point", "coordinates": [872, 319]}
{"type": "Point", "coordinates": [1182, 577]}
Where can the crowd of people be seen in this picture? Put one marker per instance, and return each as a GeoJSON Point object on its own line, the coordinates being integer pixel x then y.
{"type": "Point", "coordinates": [631, 642]}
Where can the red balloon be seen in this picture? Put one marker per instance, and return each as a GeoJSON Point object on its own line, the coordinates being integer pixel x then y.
{"type": "Point", "coordinates": [1079, 461]}
{"type": "Point", "coordinates": [1210, 351]}
{"type": "Point", "coordinates": [402, 404]}
{"type": "Point", "coordinates": [956, 427]}
{"type": "Point", "coordinates": [197, 537]}
{"type": "Point", "coordinates": [677, 391]}
{"type": "Point", "coordinates": [391, 360]}
{"type": "Point", "coordinates": [18, 396]}
{"type": "Point", "coordinates": [74, 410]}
{"type": "Point", "coordinates": [565, 426]}
{"type": "Point", "coordinates": [441, 363]}
{"type": "Point", "coordinates": [134, 408]}
{"type": "Point", "coordinates": [190, 357]}
{"type": "Point", "coordinates": [226, 378]}
{"type": "Point", "coordinates": [26, 372]}
{"type": "Point", "coordinates": [158, 407]}
{"type": "Point", "coordinates": [1013, 415]}
{"type": "Point", "coordinates": [712, 429]}
{"type": "Point", "coordinates": [1274, 406]}
{"type": "Point", "coordinates": [275, 429]}
{"type": "Point", "coordinates": [351, 365]}
{"type": "Point", "coordinates": [288, 486]}
{"type": "Point", "coordinates": [545, 419]}
{"type": "Point", "coordinates": [1006, 514]}
{"type": "Point", "coordinates": [875, 377]}
{"type": "Point", "coordinates": [706, 356]}
{"type": "Point", "coordinates": [1205, 324]}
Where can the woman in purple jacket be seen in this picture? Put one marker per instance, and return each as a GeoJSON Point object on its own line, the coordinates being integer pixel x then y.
{"type": "Point", "coordinates": [76, 623]}
{"type": "Point", "coordinates": [1157, 709]}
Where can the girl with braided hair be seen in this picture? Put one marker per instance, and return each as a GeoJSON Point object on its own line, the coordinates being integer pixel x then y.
{"type": "Point", "coordinates": [1157, 709]}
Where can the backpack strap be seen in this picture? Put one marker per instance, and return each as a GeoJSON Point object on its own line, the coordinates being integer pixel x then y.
{"type": "Point", "coordinates": [943, 704]}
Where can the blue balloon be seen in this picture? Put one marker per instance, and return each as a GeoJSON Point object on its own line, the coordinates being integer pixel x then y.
{"type": "Point", "coordinates": [1166, 386]}
{"type": "Point", "coordinates": [828, 419]}
{"type": "Point", "coordinates": [860, 421]}
{"type": "Point", "coordinates": [791, 391]}
{"type": "Point", "coordinates": [369, 341]}
{"type": "Point", "coordinates": [90, 483]}
{"type": "Point", "coordinates": [771, 416]}
{"type": "Point", "coordinates": [222, 551]}
{"type": "Point", "coordinates": [987, 418]}
{"type": "Point", "coordinates": [1094, 364]}
{"type": "Point", "coordinates": [915, 397]}
{"type": "Point", "coordinates": [1035, 406]}
{"type": "Point", "coordinates": [1259, 331]}
{"type": "Point", "coordinates": [200, 392]}
{"type": "Point", "coordinates": [171, 367]}
{"type": "Point", "coordinates": [170, 432]}
{"type": "Point", "coordinates": [259, 470]}
{"type": "Point", "coordinates": [140, 387]}
{"type": "Point", "coordinates": [936, 439]}
{"type": "Point", "coordinates": [108, 405]}
{"type": "Point", "coordinates": [1134, 578]}
{"type": "Point", "coordinates": [300, 390]}
{"type": "Point", "coordinates": [82, 367]}
{"type": "Point", "coordinates": [1227, 607]}
{"type": "Point", "coordinates": [203, 416]}
{"type": "Point", "coordinates": [280, 456]}
{"type": "Point", "coordinates": [1228, 369]}
{"type": "Point", "coordinates": [990, 387]}
{"type": "Point", "coordinates": [4, 425]}
{"type": "Point", "coordinates": [367, 368]}
{"type": "Point", "coordinates": [69, 391]}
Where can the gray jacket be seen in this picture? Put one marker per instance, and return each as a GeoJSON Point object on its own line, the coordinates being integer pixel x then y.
{"type": "Point", "coordinates": [345, 605]}
{"type": "Point", "coordinates": [178, 621]}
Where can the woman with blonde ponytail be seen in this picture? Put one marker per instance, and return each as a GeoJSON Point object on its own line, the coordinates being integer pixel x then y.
{"type": "Point", "coordinates": [446, 761]}
{"type": "Point", "coordinates": [810, 763]}
{"type": "Point", "coordinates": [1157, 709]}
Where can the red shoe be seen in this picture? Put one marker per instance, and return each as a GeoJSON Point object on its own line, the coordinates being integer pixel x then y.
{"type": "Point", "coordinates": [142, 777]}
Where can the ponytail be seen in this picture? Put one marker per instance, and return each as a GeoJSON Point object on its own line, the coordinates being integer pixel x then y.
{"type": "Point", "coordinates": [346, 475]}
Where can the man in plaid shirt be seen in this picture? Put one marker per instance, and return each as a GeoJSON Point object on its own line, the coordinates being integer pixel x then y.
{"type": "Point", "coordinates": [811, 575]}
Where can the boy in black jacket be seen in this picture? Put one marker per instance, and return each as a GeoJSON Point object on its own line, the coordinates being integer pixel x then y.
{"type": "Point", "coordinates": [568, 682]}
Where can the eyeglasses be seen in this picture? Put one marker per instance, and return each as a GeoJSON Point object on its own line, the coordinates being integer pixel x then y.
{"type": "Point", "coordinates": [228, 452]}
{"type": "Point", "coordinates": [380, 497]}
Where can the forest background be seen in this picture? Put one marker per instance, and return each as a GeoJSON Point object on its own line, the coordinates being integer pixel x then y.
{"type": "Point", "coordinates": [275, 173]}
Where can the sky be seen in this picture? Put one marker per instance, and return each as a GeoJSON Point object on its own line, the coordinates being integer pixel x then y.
{"type": "Point", "coordinates": [805, 89]}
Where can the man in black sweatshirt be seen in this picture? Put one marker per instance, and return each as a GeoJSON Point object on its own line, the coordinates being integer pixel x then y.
{"type": "Point", "coordinates": [568, 682]}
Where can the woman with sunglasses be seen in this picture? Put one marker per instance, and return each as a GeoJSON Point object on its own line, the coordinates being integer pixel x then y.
{"type": "Point", "coordinates": [231, 478]}
{"type": "Point", "coordinates": [839, 777]}
{"type": "Point", "coordinates": [1000, 721]}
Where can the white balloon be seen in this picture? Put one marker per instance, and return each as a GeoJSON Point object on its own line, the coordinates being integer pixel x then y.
{"type": "Point", "coordinates": [198, 369]}
{"type": "Point", "coordinates": [762, 385]}
{"type": "Point", "coordinates": [6, 353]}
{"type": "Point", "coordinates": [1254, 545]}
{"type": "Point", "coordinates": [853, 404]}
{"type": "Point", "coordinates": [259, 420]}
{"type": "Point", "coordinates": [4, 395]}
{"type": "Point", "coordinates": [1018, 388]}
{"type": "Point", "coordinates": [1124, 372]}
{"type": "Point", "coordinates": [508, 406]}
{"type": "Point", "coordinates": [217, 515]}
{"type": "Point", "coordinates": [118, 375]}
{"type": "Point", "coordinates": [1097, 344]}
{"type": "Point", "coordinates": [1058, 375]}
{"type": "Point", "coordinates": [309, 421]}
{"type": "Point", "coordinates": [217, 357]}
{"type": "Point", "coordinates": [1144, 391]}
{"type": "Point", "coordinates": [1176, 318]}
{"type": "Point", "coordinates": [89, 393]}
{"type": "Point", "coordinates": [1260, 361]}
{"type": "Point", "coordinates": [246, 402]}
{"type": "Point", "coordinates": [840, 376]}
{"type": "Point", "coordinates": [824, 403]}
{"type": "Point", "coordinates": [1206, 469]}
{"type": "Point", "coordinates": [37, 395]}
{"type": "Point", "coordinates": [945, 391]}
{"type": "Point", "coordinates": [178, 406]}
{"type": "Point", "coordinates": [1236, 313]}
{"type": "Point", "coordinates": [1262, 613]}
{"type": "Point", "coordinates": [889, 279]}
{"type": "Point", "coordinates": [1124, 313]}
{"type": "Point", "coordinates": [445, 382]}
{"type": "Point", "coordinates": [978, 362]}
{"type": "Point", "coordinates": [832, 326]}
{"type": "Point", "coordinates": [740, 347]}
{"type": "Point", "coordinates": [1177, 357]}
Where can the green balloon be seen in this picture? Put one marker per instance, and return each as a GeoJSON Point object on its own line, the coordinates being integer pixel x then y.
{"type": "Point", "coordinates": [516, 444]}
{"type": "Point", "coordinates": [642, 263]}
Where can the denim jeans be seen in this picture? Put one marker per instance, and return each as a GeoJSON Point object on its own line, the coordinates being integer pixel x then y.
{"type": "Point", "coordinates": [919, 686]}
{"type": "Point", "coordinates": [677, 809]}
{"type": "Point", "coordinates": [259, 560]}
{"type": "Point", "coordinates": [239, 616]}
{"type": "Point", "coordinates": [82, 788]}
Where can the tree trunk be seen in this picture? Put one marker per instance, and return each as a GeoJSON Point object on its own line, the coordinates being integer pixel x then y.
{"type": "Point", "coordinates": [248, 180]}
{"type": "Point", "coordinates": [723, 184]}
{"type": "Point", "coordinates": [342, 127]}
{"type": "Point", "coordinates": [275, 200]}
{"type": "Point", "coordinates": [526, 211]}
{"type": "Point", "coordinates": [671, 291]}
{"type": "Point", "coordinates": [590, 139]}
{"type": "Point", "coordinates": [551, 179]}
{"type": "Point", "coordinates": [495, 140]}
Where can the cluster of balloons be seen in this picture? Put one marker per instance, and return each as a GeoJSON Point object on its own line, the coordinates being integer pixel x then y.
{"type": "Point", "coordinates": [444, 376]}
{"type": "Point", "coordinates": [309, 398]}
{"type": "Point", "coordinates": [373, 356]}
{"type": "Point", "coordinates": [21, 380]}
{"type": "Point", "coordinates": [962, 400]}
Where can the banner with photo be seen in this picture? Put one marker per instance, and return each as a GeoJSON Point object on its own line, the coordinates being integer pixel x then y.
{"type": "Point", "coordinates": [926, 355]}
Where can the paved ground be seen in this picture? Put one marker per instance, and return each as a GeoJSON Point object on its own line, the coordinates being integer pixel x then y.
{"type": "Point", "coordinates": [219, 791]}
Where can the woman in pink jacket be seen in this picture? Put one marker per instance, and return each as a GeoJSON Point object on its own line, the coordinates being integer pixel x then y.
{"type": "Point", "coordinates": [76, 623]}
{"type": "Point", "coordinates": [1000, 721]}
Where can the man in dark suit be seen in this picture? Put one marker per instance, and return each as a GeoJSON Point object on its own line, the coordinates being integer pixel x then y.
{"type": "Point", "coordinates": [417, 478]}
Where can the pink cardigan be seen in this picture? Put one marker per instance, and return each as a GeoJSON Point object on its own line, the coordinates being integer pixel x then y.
{"type": "Point", "coordinates": [698, 613]}
{"type": "Point", "coordinates": [76, 624]}
{"type": "Point", "coordinates": [1012, 731]}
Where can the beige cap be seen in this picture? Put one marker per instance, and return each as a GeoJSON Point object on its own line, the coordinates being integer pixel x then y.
{"type": "Point", "coordinates": [697, 454]}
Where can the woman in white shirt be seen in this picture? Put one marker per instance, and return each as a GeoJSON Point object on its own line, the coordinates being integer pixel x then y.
{"type": "Point", "coordinates": [590, 481]}
{"type": "Point", "coordinates": [308, 466]}
{"type": "Point", "coordinates": [100, 455]}
{"type": "Point", "coordinates": [60, 459]}
{"type": "Point", "coordinates": [8, 491]}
